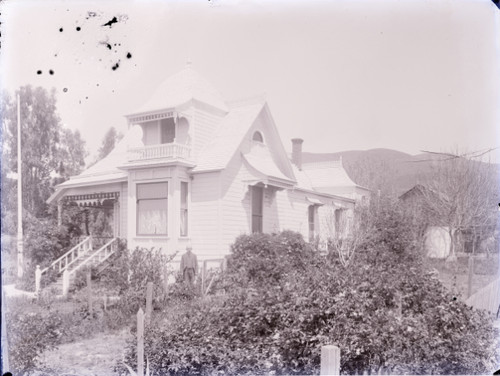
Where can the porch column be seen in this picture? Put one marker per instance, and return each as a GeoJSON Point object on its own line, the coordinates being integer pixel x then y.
{"type": "Point", "coordinates": [116, 218]}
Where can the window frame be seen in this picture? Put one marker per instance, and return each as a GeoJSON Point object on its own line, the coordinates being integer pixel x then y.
{"type": "Point", "coordinates": [186, 235]}
{"type": "Point", "coordinates": [260, 135]}
{"type": "Point", "coordinates": [257, 215]}
{"type": "Point", "coordinates": [166, 198]}
{"type": "Point", "coordinates": [311, 209]}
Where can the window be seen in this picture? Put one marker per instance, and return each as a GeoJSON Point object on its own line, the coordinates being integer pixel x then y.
{"type": "Point", "coordinates": [184, 208]}
{"type": "Point", "coordinates": [152, 208]}
{"type": "Point", "coordinates": [311, 215]}
{"type": "Point", "coordinates": [257, 136]}
{"type": "Point", "coordinates": [167, 130]}
{"type": "Point", "coordinates": [257, 208]}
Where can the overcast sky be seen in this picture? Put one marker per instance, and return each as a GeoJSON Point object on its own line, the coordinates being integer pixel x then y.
{"type": "Point", "coordinates": [342, 75]}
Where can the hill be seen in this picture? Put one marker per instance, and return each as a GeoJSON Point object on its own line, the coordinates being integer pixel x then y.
{"type": "Point", "coordinates": [384, 169]}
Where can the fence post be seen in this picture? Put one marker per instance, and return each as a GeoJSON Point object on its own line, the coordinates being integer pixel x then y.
{"type": "Point", "coordinates": [38, 278]}
{"type": "Point", "coordinates": [140, 342]}
{"type": "Point", "coordinates": [65, 282]}
{"type": "Point", "coordinates": [149, 302]}
{"type": "Point", "coordinates": [471, 272]}
{"type": "Point", "coordinates": [4, 343]}
{"type": "Point", "coordinates": [89, 292]}
{"type": "Point", "coordinates": [330, 360]}
{"type": "Point", "coordinates": [203, 276]}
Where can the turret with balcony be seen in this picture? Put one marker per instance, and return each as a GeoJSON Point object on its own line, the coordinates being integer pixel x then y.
{"type": "Point", "coordinates": [163, 138]}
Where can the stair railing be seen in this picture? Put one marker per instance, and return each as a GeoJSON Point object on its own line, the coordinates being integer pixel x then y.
{"type": "Point", "coordinates": [101, 255]}
{"type": "Point", "coordinates": [78, 251]}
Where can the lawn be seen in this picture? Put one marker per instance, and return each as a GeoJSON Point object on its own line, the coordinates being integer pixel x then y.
{"type": "Point", "coordinates": [89, 357]}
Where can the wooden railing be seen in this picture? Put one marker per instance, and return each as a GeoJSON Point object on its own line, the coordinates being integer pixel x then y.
{"type": "Point", "coordinates": [63, 262]}
{"type": "Point", "coordinates": [171, 150]}
{"type": "Point", "coordinates": [102, 254]}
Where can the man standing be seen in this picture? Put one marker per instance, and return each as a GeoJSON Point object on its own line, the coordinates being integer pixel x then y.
{"type": "Point", "coordinates": [189, 265]}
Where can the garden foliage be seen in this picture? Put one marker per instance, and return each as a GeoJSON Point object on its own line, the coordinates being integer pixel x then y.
{"type": "Point", "coordinates": [283, 302]}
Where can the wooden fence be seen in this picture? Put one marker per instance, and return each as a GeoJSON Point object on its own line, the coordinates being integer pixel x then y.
{"type": "Point", "coordinates": [487, 298]}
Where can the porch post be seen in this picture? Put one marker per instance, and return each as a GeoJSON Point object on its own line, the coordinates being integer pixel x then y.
{"type": "Point", "coordinates": [116, 218]}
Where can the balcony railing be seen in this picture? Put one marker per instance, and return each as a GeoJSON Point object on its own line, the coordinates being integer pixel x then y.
{"type": "Point", "coordinates": [171, 151]}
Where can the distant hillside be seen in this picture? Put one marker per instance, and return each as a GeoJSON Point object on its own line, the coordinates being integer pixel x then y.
{"type": "Point", "coordinates": [383, 169]}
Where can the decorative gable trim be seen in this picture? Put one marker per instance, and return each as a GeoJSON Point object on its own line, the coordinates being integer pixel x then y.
{"type": "Point", "coordinates": [149, 117]}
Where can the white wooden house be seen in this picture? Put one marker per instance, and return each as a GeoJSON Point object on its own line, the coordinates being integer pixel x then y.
{"type": "Point", "coordinates": [195, 168]}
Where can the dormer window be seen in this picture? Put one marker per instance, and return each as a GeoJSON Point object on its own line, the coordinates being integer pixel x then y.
{"type": "Point", "coordinates": [257, 136]}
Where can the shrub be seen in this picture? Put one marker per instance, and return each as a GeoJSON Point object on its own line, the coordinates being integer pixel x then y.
{"type": "Point", "coordinates": [130, 273]}
{"type": "Point", "coordinates": [31, 331]}
{"type": "Point", "coordinates": [384, 311]}
{"type": "Point", "coordinates": [260, 259]}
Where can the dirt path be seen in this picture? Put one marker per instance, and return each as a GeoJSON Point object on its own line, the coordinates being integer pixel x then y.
{"type": "Point", "coordinates": [93, 356]}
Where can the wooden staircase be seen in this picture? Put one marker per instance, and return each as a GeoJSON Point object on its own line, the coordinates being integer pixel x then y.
{"type": "Point", "coordinates": [80, 256]}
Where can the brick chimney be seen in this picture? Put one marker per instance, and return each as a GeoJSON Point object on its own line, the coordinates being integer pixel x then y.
{"type": "Point", "coordinates": [297, 152]}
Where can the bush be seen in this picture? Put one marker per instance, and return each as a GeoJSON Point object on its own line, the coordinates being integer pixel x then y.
{"type": "Point", "coordinates": [130, 273]}
{"type": "Point", "coordinates": [384, 311]}
{"type": "Point", "coordinates": [31, 331]}
{"type": "Point", "coordinates": [261, 259]}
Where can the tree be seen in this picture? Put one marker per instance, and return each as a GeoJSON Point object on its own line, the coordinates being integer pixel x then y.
{"type": "Point", "coordinates": [345, 230]}
{"type": "Point", "coordinates": [72, 153]}
{"type": "Point", "coordinates": [40, 129]}
{"type": "Point", "coordinates": [111, 138]}
{"type": "Point", "coordinates": [461, 195]}
{"type": "Point", "coordinates": [47, 149]}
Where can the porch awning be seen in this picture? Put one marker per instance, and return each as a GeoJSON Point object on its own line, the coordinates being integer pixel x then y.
{"type": "Point", "coordinates": [264, 170]}
{"type": "Point", "coordinates": [314, 201]}
{"type": "Point", "coordinates": [92, 199]}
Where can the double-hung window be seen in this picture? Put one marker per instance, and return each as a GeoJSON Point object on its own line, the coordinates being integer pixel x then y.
{"type": "Point", "coordinates": [311, 215]}
{"type": "Point", "coordinates": [152, 208]}
{"type": "Point", "coordinates": [184, 208]}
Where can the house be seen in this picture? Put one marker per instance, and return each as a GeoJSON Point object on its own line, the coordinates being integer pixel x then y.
{"type": "Point", "coordinates": [194, 168]}
{"type": "Point", "coordinates": [436, 234]}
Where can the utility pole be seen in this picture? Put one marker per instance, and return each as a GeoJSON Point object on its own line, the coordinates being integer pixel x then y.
{"type": "Point", "coordinates": [20, 263]}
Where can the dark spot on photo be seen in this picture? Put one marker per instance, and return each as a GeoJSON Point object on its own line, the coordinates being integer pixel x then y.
{"type": "Point", "coordinates": [108, 46]}
{"type": "Point", "coordinates": [38, 72]}
{"type": "Point", "coordinates": [111, 22]}
{"type": "Point", "coordinates": [61, 30]}
{"type": "Point", "coordinates": [129, 55]}
{"type": "Point", "coordinates": [86, 97]}
{"type": "Point", "coordinates": [55, 55]}
{"type": "Point", "coordinates": [97, 85]}
{"type": "Point", "coordinates": [116, 66]}
{"type": "Point", "coordinates": [78, 28]}
{"type": "Point", "coordinates": [65, 89]}
{"type": "Point", "coordinates": [51, 71]}
{"type": "Point", "coordinates": [91, 14]}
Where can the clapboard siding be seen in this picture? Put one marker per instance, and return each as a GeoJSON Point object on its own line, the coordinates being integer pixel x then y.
{"type": "Point", "coordinates": [205, 125]}
{"type": "Point", "coordinates": [204, 214]}
{"type": "Point", "coordinates": [235, 202]}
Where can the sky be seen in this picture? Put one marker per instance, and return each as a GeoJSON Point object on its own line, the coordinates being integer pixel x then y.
{"type": "Point", "coordinates": [343, 75]}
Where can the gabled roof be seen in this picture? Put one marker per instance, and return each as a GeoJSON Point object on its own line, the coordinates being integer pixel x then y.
{"type": "Point", "coordinates": [327, 174]}
{"type": "Point", "coordinates": [225, 142]}
{"type": "Point", "coordinates": [181, 88]}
